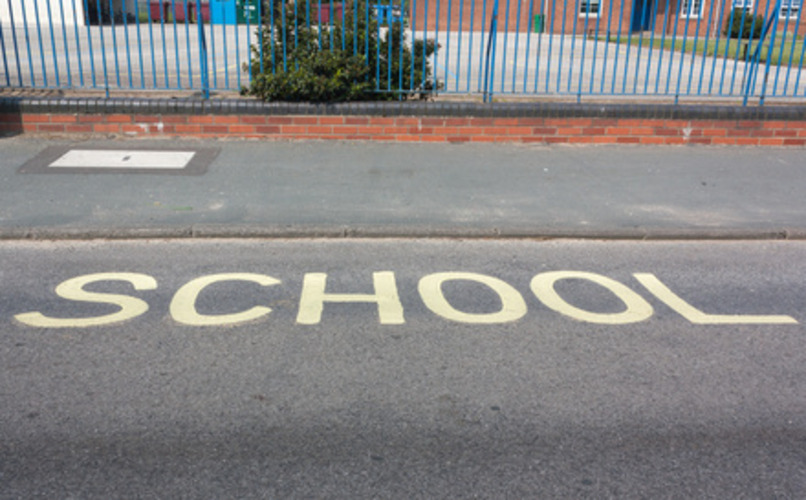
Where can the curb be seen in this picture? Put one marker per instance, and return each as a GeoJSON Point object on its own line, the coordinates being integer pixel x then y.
{"type": "Point", "coordinates": [139, 106]}
{"type": "Point", "coordinates": [204, 231]}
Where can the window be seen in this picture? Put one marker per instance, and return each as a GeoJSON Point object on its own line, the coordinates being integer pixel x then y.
{"type": "Point", "coordinates": [790, 9]}
{"type": "Point", "coordinates": [691, 8]}
{"type": "Point", "coordinates": [589, 8]}
{"type": "Point", "coordinates": [743, 4]}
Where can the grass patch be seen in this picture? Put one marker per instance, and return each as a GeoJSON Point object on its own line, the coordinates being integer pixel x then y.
{"type": "Point", "coordinates": [730, 48]}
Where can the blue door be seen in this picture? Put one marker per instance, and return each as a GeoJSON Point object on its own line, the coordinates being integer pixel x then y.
{"type": "Point", "coordinates": [641, 15]}
{"type": "Point", "coordinates": [222, 11]}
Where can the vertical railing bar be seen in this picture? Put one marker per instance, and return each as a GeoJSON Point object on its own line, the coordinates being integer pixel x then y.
{"type": "Point", "coordinates": [540, 48]}
{"type": "Point", "coordinates": [727, 47]}
{"type": "Point", "coordinates": [747, 58]}
{"type": "Point", "coordinates": [755, 60]}
{"type": "Point", "coordinates": [390, 38]}
{"type": "Point", "coordinates": [618, 45]}
{"type": "Point", "coordinates": [330, 24]}
{"type": "Point", "coordinates": [66, 46]}
{"type": "Point", "coordinates": [14, 40]}
{"type": "Point", "coordinates": [296, 31]}
{"type": "Point", "coordinates": [42, 45]}
{"type": "Point", "coordinates": [627, 61]}
{"type": "Point", "coordinates": [584, 43]}
{"type": "Point", "coordinates": [405, 16]}
{"type": "Point", "coordinates": [674, 44]}
{"type": "Point", "coordinates": [666, 17]}
{"type": "Point", "coordinates": [562, 44]}
{"type": "Point", "coordinates": [176, 46]}
{"type": "Point", "coordinates": [126, 38]}
{"type": "Point", "coordinates": [436, 40]}
{"type": "Point", "coordinates": [343, 31]}
{"type": "Point", "coordinates": [186, 5]}
{"type": "Point", "coordinates": [211, 51]}
{"type": "Point", "coordinates": [781, 52]}
{"type": "Point", "coordinates": [89, 44]}
{"type": "Point", "coordinates": [470, 44]}
{"type": "Point", "coordinates": [165, 79]}
{"type": "Point", "coordinates": [272, 41]}
{"type": "Point", "coordinates": [595, 48]}
{"type": "Point", "coordinates": [401, 37]}
{"type": "Point", "coordinates": [236, 30]}
{"type": "Point", "coordinates": [694, 50]}
{"type": "Point", "coordinates": [114, 43]}
{"type": "Point", "coordinates": [489, 63]}
{"type": "Point", "coordinates": [718, 25]}
{"type": "Point", "coordinates": [355, 27]}
{"type": "Point", "coordinates": [775, 18]}
{"type": "Point", "coordinates": [151, 40]}
{"type": "Point", "coordinates": [27, 42]}
{"type": "Point", "coordinates": [5, 60]}
{"type": "Point", "coordinates": [319, 24]}
{"type": "Point", "coordinates": [529, 28]}
{"type": "Point", "coordinates": [225, 44]}
{"type": "Point", "coordinates": [203, 68]}
{"type": "Point", "coordinates": [377, 47]}
{"type": "Point", "coordinates": [683, 51]}
{"type": "Point", "coordinates": [459, 45]}
{"type": "Point", "coordinates": [425, 38]}
{"type": "Point", "coordinates": [800, 63]}
{"type": "Point", "coordinates": [652, 28]}
{"type": "Point", "coordinates": [504, 54]}
{"type": "Point", "coordinates": [103, 48]}
{"type": "Point", "coordinates": [517, 44]}
{"type": "Point", "coordinates": [140, 45]}
{"type": "Point", "coordinates": [481, 42]}
{"type": "Point", "coordinates": [575, 18]}
{"type": "Point", "coordinates": [644, 13]}
{"type": "Point", "coordinates": [284, 29]}
{"type": "Point", "coordinates": [551, 43]}
{"type": "Point", "coordinates": [447, 42]}
{"type": "Point", "coordinates": [792, 52]}
{"type": "Point", "coordinates": [413, 37]}
{"type": "Point", "coordinates": [705, 47]}
{"type": "Point", "coordinates": [607, 45]}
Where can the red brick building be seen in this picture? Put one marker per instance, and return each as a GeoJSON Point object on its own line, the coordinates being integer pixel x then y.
{"type": "Point", "coordinates": [683, 17]}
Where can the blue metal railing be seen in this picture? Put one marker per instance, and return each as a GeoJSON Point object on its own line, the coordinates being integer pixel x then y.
{"type": "Point", "coordinates": [673, 48]}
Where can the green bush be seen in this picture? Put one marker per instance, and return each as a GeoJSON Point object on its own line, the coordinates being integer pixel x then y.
{"type": "Point", "coordinates": [348, 61]}
{"type": "Point", "coordinates": [741, 24]}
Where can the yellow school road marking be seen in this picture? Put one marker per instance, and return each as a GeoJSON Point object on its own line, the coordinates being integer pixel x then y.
{"type": "Point", "coordinates": [73, 289]}
{"type": "Point", "coordinates": [314, 297]}
{"type": "Point", "coordinates": [698, 317]}
{"type": "Point", "coordinates": [183, 306]}
{"type": "Point", "coordinates": [513, 306]}
{"type": "Point", "coordinates": [638, 309]}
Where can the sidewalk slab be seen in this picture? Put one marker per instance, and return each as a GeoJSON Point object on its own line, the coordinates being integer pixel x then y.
{"type": "Point", "coordinates": [258, 189]}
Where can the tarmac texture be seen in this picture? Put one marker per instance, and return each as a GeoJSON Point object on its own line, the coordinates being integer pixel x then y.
{"type": "Point", "coordinates": [339, 189]}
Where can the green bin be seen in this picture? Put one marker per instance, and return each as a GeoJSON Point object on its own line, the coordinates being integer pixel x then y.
{"type": "Point", "coordinates": [539, 21]}
{"type": "Point", "coordinates": [246, 9]}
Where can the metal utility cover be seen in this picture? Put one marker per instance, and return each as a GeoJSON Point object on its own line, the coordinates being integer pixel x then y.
{"type": "Point", "coordinates": [116, 159]}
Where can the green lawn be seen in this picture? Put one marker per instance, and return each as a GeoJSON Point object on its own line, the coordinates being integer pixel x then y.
{"type": "Point", "coordinates": [731, 48]}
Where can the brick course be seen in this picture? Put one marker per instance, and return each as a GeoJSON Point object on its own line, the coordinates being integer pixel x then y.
{"type": "Point", "coordinates": [427, 129]}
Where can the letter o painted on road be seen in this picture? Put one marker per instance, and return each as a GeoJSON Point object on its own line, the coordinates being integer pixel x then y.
{"type": "Point", "coordinates": [637, 310]}
{"type": "Point", "coordinates": [513, 307]}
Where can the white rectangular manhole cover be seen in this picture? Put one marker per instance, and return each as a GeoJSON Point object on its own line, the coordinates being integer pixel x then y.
{"type": "Point", "coordinates": [65, 159]}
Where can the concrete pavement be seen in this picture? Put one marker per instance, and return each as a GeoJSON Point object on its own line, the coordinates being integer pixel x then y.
{"type": "Point", "coordinates": [335, 189]}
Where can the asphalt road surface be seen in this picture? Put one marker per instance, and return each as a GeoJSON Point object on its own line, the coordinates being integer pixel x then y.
{"type": "Point", "coordinates": [402, 369]}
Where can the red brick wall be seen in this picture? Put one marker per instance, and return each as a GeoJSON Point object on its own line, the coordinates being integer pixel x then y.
{"type": "Point", "coordinates": [418, 129]}
{"type": "Point", "coordinates": [611, 10]}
